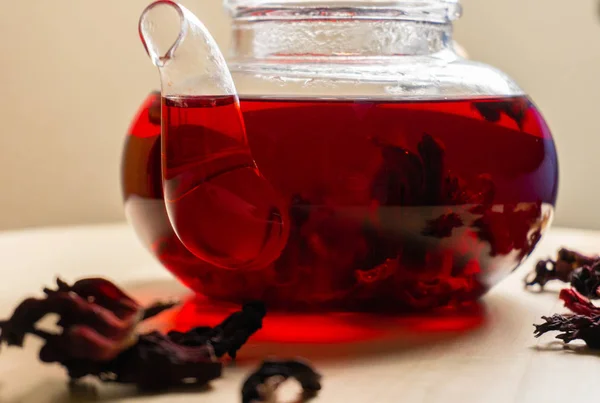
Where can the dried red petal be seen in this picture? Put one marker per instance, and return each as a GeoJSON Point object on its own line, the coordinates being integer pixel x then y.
{"type": "Point", "coordinates": [577, 303]}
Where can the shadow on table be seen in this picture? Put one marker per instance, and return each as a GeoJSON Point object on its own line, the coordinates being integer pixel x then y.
{"type": "Point", "coordinates": [318, 336]}
{"type": "Point", "coordinates": [545, 290]}
{"type": "Point", "coordinates": [558, 347]}
{"type": "Point", "coordinates": [87, 392]}
{"type": "Point", "coordinates": [83, 392]}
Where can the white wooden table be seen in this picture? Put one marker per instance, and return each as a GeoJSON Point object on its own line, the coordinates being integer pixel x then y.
{"type": "Point", "coordinates": [499, 361]}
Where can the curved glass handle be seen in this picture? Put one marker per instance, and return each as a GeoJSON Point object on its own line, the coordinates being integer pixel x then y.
{"type": "Point", "coordinates": [189, 60]}
{"type": "Point", "coordinates": [221, 207]}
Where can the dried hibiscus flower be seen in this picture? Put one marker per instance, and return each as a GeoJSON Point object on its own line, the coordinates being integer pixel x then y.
{"type": "Point", "coordinates": [583, 272]}
{"type": "Point", "coordinates": [98, 337]}
{"type": "Point", "coordinates": [261, 385]}
{"type": "Point", "coordinates": [583, 325]}
{"type": "Point", "coordinates": [586, 280]}
{"type": "Point", "coordinates": [572, 327]}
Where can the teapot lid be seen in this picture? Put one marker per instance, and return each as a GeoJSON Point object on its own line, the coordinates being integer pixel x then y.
{"type": "Point", "coordinates": [240, 6]}
{"type": "Point", "coordinates": [336, 3]}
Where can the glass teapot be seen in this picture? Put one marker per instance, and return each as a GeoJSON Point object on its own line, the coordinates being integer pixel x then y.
{"type": "Point", "coordinates": [345, 159]}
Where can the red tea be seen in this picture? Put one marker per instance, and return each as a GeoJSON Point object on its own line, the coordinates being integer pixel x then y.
{"type": "Point", "coordinates": [393, 205]}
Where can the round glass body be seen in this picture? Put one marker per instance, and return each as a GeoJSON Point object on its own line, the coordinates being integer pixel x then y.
{"type": "Point", "coordinates": [414, 179]}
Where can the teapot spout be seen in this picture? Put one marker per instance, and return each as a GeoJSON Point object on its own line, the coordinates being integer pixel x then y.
{"type": "Point", "coordinates": [220, 205]}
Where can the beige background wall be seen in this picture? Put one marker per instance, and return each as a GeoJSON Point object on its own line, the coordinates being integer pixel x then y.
{"type": "Point", "coordinates": [74, 72]}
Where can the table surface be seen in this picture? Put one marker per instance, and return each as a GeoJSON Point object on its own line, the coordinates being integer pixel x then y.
{"type": "Point", "coordinates": [498, 361]}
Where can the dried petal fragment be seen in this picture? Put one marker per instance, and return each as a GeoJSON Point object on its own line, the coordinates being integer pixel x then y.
{"type": "Point", "coordinates": [578, 304]}
{"type": "Point", "coordinates": [261, 385]}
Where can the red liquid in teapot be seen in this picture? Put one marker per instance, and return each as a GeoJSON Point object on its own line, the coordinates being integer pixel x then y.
{"type": "Point", "coordinates": [393, 205]}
